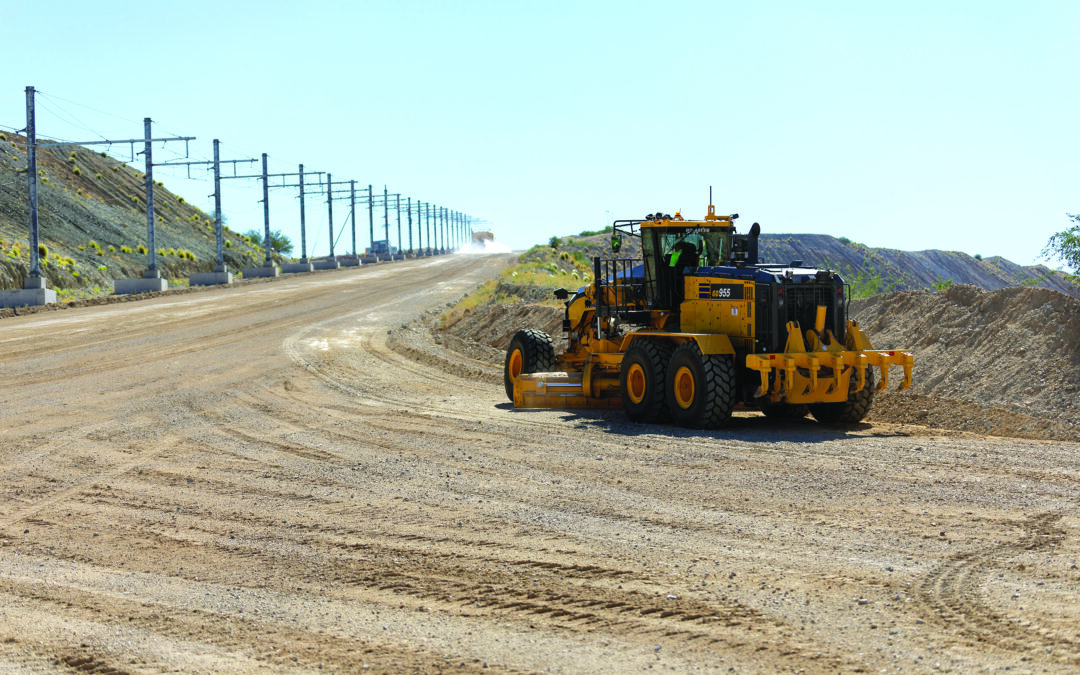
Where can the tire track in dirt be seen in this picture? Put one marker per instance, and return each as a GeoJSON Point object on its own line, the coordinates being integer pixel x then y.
{"type": "Point", "coordinates": [952, 592]}
{"type": "Point", "coordinates": [259, 642]}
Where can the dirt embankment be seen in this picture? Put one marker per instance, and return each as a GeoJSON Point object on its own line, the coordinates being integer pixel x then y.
{"type": "Point", "coordinates": [92, 212]}
{"type": "Point", "coordinates": [1004, 362]}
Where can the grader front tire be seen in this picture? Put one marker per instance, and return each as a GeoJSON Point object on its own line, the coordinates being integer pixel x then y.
{"type": "Point", "coordinates": [530, 351]}
{"type": "Point", "coordinates": [851, 411]}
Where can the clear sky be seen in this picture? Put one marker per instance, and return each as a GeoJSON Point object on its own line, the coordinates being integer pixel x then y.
{"type": "Point", "coordinates": [908, 125]}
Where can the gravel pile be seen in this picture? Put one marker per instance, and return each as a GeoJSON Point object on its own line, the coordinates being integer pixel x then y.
{"type": "Point", "coordinates": [1016, 349]}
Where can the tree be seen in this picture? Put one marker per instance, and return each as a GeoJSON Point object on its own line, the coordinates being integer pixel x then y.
{"type": "Point", "coordinates": [1065, 246]}
{"type": "Point", "coordinates": [279, 243]}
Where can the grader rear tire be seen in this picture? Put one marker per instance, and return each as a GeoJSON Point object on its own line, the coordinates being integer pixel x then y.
{"type": "Point", "coordinates": [851, 411]}
{"type": "Point", "coordinates": [530, 351]}
{"type": "Point", "coordinates": [641, 380]}
{"type": "Point", "coordinates": [700, 388]}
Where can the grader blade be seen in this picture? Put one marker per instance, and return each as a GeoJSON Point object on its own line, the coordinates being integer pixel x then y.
{"type": "Point", "coordinates": [558, 391]}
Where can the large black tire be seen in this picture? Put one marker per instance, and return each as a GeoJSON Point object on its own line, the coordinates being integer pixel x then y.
{"type": "Point", "coordinates": [851, 411]}
{"type": "Point", "coordinates": [641, 380]}
{"type": "Point", "coordinates": [530, 351]}
{"type": "Point", "coordinates": [785, 411]}
{"type": "Point", "coordinates": [701, 390]}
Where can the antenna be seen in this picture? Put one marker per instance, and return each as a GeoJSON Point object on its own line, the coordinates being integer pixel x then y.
{"type": "Point", "coordinates": [710, 196]}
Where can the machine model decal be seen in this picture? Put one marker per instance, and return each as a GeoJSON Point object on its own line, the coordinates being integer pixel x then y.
{"type": "Point", "coordinates": [726, 292]}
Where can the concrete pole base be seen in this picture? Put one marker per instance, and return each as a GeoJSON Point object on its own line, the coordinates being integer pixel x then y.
{"type": "Point", "coordinates": [328, 264]}
{"type": "Point", "coordinates": [211, 278]}
{"type": "Point", "coordinates": [33, 294]}
{"type": "Point", "coordinates": [264, 271]}
{"type": "Point", "coordinates": [139, 285]}
{"type": "Point", "coordinates": [297, 267]}
{"type": "Point", "coordinates": [349, 261]}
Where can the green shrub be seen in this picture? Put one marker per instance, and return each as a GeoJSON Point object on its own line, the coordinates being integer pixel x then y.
{"type": "Point", "coordinates": [76, 170]}
{"type": "Point", "coordinates": [228, 243]}
{"type": "Point", "coordinates": [592, 233]}
{"type": "Point", "coordinates": [978, 256]}
{"type": "Point", "coordinates": [112, 249]}
{"type": "Point", "coordinates": [124, 249]}
{"type": "Point", "coordinates": [94, 244]}
{"type": "Point", "coordinates": [134, 199]}
{"type": "Point", "coordinates": [98, 175]}
{"type": "Point", "coordinates": [82, 248]}
{"type": "Point", "coordinates": [75, 274]}
{"type": "Point", "coordinates": [3, 137]}
{"type": "Point", "coordinates": [143, 250]}
{"type": "Point", "coordinates": [102, 268]}
{"type": "Point", "coordinates": [43, 251]}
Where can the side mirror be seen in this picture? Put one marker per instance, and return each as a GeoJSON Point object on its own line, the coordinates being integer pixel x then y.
{"type": "Point", "coordinates": [616, 243]}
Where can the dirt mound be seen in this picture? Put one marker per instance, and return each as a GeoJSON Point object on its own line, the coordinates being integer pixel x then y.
{"type": "Point", "coordinates": [1004, 362]}
{"type": "Point", "coordinates": [1013, 348]}
{"type": "Point", "coordinates": [494, 325]}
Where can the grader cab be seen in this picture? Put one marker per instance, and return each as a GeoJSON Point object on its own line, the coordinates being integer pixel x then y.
{"type": "Point", "coordinates": [698, 328]}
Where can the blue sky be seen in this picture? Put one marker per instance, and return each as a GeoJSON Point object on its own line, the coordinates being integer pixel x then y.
{"type": "Point", "coordinates": [906, 125]}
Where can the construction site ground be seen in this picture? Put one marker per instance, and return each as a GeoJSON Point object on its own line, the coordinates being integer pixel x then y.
{"type": "Point", "coordinates": [301, 475]}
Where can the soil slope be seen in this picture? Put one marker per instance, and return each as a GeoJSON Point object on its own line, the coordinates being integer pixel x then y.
{"type": "Point", "coordinates": [85, 196]}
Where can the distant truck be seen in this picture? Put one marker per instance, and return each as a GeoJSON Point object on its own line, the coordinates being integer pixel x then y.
{"type": "Point", "coordinates": [381, 247]}
{"type": "Point", "coordinates": [482, 237]}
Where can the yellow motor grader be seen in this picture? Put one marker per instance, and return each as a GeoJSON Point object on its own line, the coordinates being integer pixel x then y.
{"type": "Point", "coordinates": [698, 328]}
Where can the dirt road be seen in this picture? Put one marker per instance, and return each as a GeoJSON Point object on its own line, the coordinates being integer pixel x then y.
{"type": "Point", "coordinates": [282, 476]}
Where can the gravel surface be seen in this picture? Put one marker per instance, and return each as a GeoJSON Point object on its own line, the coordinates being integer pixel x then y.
{"type": "Point", "coordinates": [294, 476]}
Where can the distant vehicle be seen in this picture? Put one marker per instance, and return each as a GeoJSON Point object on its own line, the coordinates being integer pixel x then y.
{"type": "Point", "coordinates": [381, 247]}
